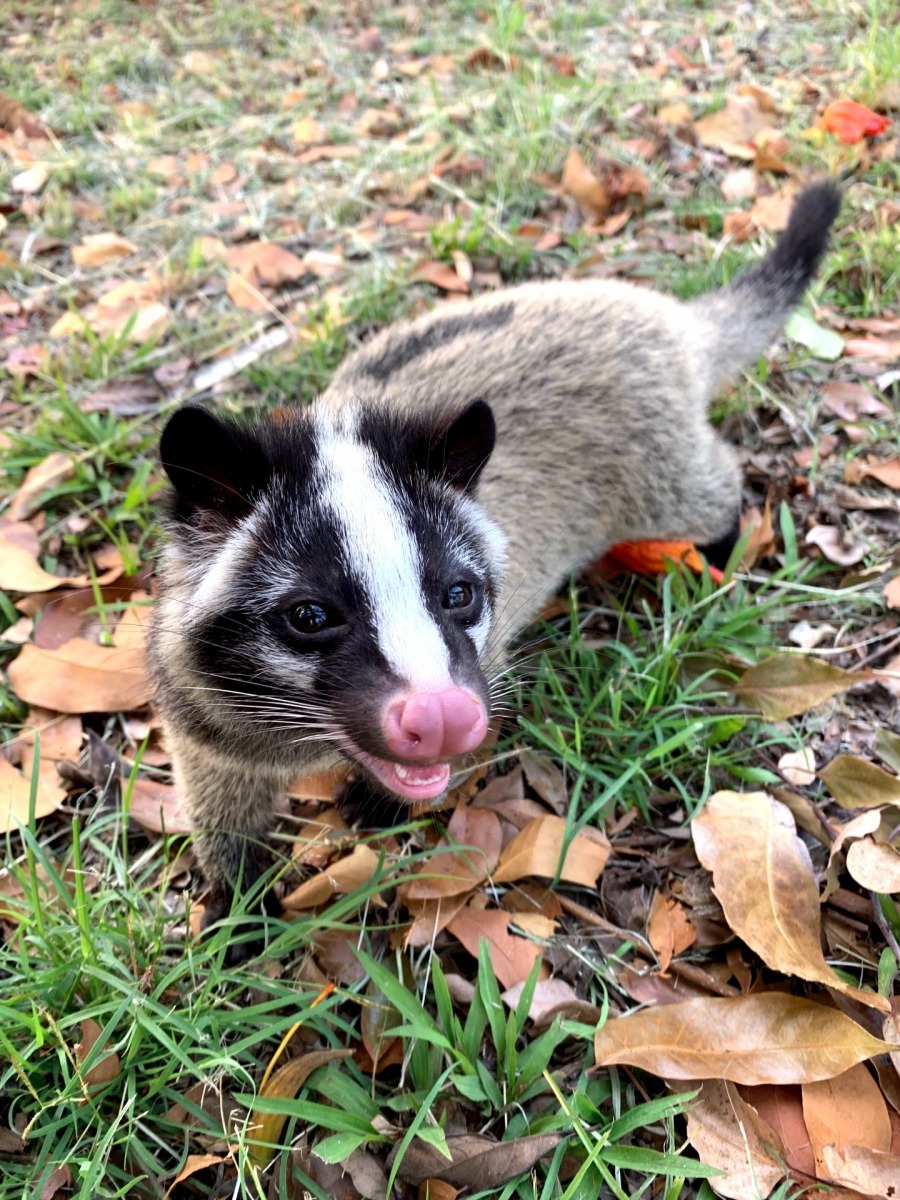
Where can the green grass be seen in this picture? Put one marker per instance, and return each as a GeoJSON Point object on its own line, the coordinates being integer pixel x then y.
{"type": "Point", "coordinates": [629, 693]}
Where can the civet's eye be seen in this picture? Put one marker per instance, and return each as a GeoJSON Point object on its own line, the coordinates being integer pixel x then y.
{"type": "Point", "coordinates": [459, 595]}
{"type": "Point", "coordinates": [309, 618]}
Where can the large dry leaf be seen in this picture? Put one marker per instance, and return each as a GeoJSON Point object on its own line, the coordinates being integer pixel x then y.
{"type": "Point", "coordinates": [728, 1133]}
{"type": "Point", "coordinates": [47, 474]}
{"type": "Point", "coordinates": [537, 850]}
{"type": "Point", "coordinates": [736, 125]}
{"type": "Point", "coordinates": [763, 878]}
{"type": "Point", "coordinates": [266, 263]}
{"type": "Point", "coordinates": [871, 1172]}
{"type": "Point", "coordinates": [14, 117]}
{"type": "Point", "coordinates": [844, 1111]}
{"type": "Point", "coordinates": [82, 677]}
{"type": "Point", "coordinates": [767, 1038]}
{"type": "Point", "coordinates": [789, 684]}
{"type": "Point", "coordinates": [478, 1162]}
{"type": "Point", "coordinates": [341, 877]}
{"type": "Point", "coordinates": [512, 957]}
{"type": "Point", "coordinates": [15, 793]}
{"type": "Point", "coordinates": [874, 865]}
{"type": "Point", "coordinates": [99, 248]}
{"type": "Point", "coordinates": [284, 1084]}
{"type": "Point", "coordinates": [450, 871]}
{"type": "Point", "coordinates": [857, 783]}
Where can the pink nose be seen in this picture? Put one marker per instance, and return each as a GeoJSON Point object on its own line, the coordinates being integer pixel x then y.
{"type": "Point", "coordinates": [434, 726]}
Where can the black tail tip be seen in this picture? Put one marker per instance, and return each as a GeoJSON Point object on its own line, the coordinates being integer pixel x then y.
{"type": "Point", "coordinates": [805, 239]}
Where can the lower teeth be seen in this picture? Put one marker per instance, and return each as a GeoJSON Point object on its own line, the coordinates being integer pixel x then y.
{"type": "Point", "coordinates": [404, 774]}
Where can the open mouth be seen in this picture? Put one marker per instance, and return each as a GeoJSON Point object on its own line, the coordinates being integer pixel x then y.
{"type": "Point", "coordinates": [416, 782]}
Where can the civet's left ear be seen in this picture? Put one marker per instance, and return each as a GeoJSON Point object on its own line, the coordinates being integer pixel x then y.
{"type": "Point", "coordinates": [458, 452]}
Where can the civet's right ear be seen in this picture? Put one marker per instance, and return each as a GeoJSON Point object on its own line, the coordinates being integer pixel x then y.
{"type": "Point", "coordinates": [215, 466]}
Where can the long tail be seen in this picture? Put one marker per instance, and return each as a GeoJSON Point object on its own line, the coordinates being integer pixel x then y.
{"type": "Point", "coordinates": [748, 314]}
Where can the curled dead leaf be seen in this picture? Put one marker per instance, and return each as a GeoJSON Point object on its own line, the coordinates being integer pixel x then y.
{"type": "Point", "coordinates": [476, 1161]}
{"type": "Point", "coordinates": [846, 1110]}
{"type": "Point", "coordinates": [763, 878]}
{"type": "Point", "coordinates": [106, 1068]}
{"type": "Point", "coordinates": [512, 957]}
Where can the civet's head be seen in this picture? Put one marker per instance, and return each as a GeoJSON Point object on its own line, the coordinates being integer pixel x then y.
{"type": "Point", "coordinates": [337, 583]}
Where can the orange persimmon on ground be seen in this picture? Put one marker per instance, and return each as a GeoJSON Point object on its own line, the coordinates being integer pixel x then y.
{"type": "Point", "coordinates": [851, 122]}
{"type": "Point", "coordinates": [649, 558]}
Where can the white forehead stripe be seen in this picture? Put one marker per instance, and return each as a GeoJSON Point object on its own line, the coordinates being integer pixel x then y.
{"type": "Point", "coordinates": [380, 550]}
{"type": "Point", "coordinates": [226, 563]}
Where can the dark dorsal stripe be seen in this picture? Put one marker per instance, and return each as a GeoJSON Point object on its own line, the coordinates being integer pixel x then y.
{"type": "Point", "coordinates": [413, 345]}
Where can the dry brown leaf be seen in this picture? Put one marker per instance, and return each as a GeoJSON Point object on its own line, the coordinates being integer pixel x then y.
{"type": "Point", "coordinates": [846, 1110]}
{"type": "Point", "coordinates": [772, 212]}
{"type": "Point", "coordinates": [284, 1083]}
{"type": "Point", "coordinates": [478, 1162]}
{"type": "Point", "coordinates": [145, 319]}
{"type": "Point", "coordinates": [674, 114]}
{"type": "Point", "coordinates": [782, 1109]}
{"type": "Point", "coordinates": [266, 263]}
{"type": "Point", "coordinates": [850, 401]}
{"type": "Point", "coordinates": [729, 1133]}
{"type": "Point", "coordinates": [874, 865]}
{"type": "Point", "coordinates": [436, 1189]}
{"type": "Point", "coordinates": [836, 546]}
{"type": "Point", "coordinates": [512, 957]}
{"type": "Point", "coordinates": [83, 677]}
{"type": "Point", "coordinates": [341, 877]}
{"type": "Point", "coordinates": [737, 124]}
{"type": "Point", "coordinates": [15, 794]}
{"type": "Point", "coordinates": [669, 929]}
{"type": "Point", "coordinates": [765, 1038]}
{"type": "Point", "coordinates": [14, 117]}
{"type": "Point", "coordinates": [798, 767]}
{"type": "Point", "coordinates": [857, 783]}
{"type": "Point", "coordinates": [891, 592]}
{"type": "Point", "coordinates": [739, 227]}
{"type": "Point", "coordinates": [21, 572]}
{"type": "Point", "coordinates": [538, 849]}
{"type": "Point", "coordinates": [553, 998]}
{"type": "Point", "coordinates": [789, 684]}
{"type": "Point", "coordinates": [192, 1164]}
{"type": "Point", "coordinates": [441, 275]}
{"type": "Point", "coordinates": [327, 153]}
{"type": "Point", "coordinates": [99, 248]}
{"type": "Point", "coordinates": [56, 468]}
{"type": "Point", "coordinates": [244, 293]}
{"type": "Point", "coordinates": [158, 807]}
{"type": "Point", "coordinates": [763, 878]}
{"type": "Point", "coordinates": [887, 473]}
{"type": "Point", "coordinates": [579, 182]}
{"type": "Point", "coordinates": [107, 1068]}
{"type": "Point", "coordinates": [871, 1172]}
{"type": "Point", "coordinates": [450, 871]}
{"type": "Point", "coordinates": [431, 916]}
{"type": "Point", "coordinates": [31, 180]}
